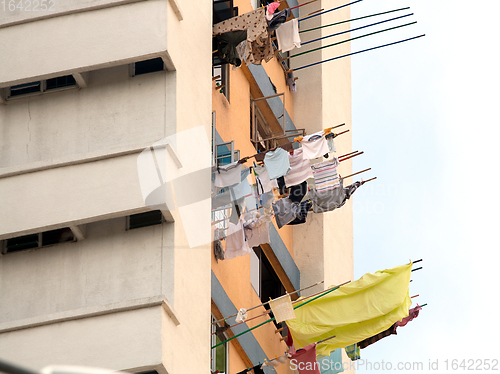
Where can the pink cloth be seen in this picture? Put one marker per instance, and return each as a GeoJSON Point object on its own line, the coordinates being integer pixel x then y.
{"type": "Point", "coordinates": [305, 360]}
{"type": "Point", "coordinates": [272, 7]}
{"type": "Point", "coordinates": [413, 313]}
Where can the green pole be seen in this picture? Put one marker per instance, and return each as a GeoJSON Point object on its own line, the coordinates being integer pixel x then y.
{"type": "Point", "coordinates": [272, 319]}
{"type": "Point", "coordinates": [348, 40]}
{"type": "Point", "coordinates": [354, 19]}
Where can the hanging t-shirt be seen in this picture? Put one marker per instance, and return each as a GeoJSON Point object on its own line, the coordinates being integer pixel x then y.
{"type": "Point", "coordinates": [228, 175]}
{"type": "Point", "coordinates": [314, 145]}
{"type": "Point", "coordinates": [277, 163]}
{"type": "Point", "coordinates": [264, 184]}
{"type": "Point", "coordinates": [305, 360]}
{"type": "Point", "coordinates": [285, 211]}
{"type": "Point", "coordinates": [257, 231]}
{"type": "Point", "coordinates": [282, 308]}
{"type": "Point", "coordinates": [300, 168]}
{"type": "Point", "coordinates": [236, 245]}
{"type": "Point", "coordinates": [325, 175]}
{"type": "Point", "coordinates": [327, 200]}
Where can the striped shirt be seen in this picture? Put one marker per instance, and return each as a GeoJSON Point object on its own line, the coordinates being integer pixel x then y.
{"type": "Point", "coordinates": [300, 169]}
{"type": "Point", "coordinates": [325, 175]}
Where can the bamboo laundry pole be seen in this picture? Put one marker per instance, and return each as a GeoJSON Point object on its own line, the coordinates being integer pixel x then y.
{"type": "Point", "coordinates": [368, 180]}
{"type": "Point", "coordinates": [354, 53]}
{"type": "Point", "coordinates": [355, 29]}
{"type": "Point", "coordinates": [353, 19]}
{"type": "Point", "coordinates": [416, 269]}
{"type": "Point", "coordinates": [345, 41]}
{"type": "Point", "coordinates": [359, 172]}
{"type": "Point", "coordinates": [267, 302]}
{"type": "Point", "coordinates": [331, 10]}
{"type": "Point", "coordinates": [347, 158]}
{"type": "Point", "coordinates": [272, 319]}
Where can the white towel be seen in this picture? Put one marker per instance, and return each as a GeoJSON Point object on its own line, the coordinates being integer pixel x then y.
{"type": "Point", "coordinates": [288, 35]}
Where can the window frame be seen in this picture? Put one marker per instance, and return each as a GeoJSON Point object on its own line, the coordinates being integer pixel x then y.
{"type": "Point", "coordinates": [43, 88]}
{"type": "Point", "coordinates": [213, 352]}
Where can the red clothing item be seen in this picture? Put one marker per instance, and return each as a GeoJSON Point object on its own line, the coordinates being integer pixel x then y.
{"type": "Point", "coordinates": [413, 313]}
{"type": "Point", "coordinates": [304, 360]}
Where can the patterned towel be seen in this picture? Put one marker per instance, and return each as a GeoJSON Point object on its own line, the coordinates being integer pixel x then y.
{"type": "Point", "coordinates": [282, 308]}
{"type": "Point", "coordinates": [325, 175]}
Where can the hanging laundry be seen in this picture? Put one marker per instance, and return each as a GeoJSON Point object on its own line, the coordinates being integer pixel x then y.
{"type": "Point", "coordinates": [227, 43]}
{"type": "Point", "coordinates": [270, 9]}
{"type": "Point", "coordinates": [279, 18]}
{"type": "Point", "coordinates": [413, 313]}
{"type": "Point", "coordinates": [297, 192]}
{"type": "Point", "coordinates": [353, 352]}
{"type": "Point", "coordinates": [236, 245]}
{"type": "Point", "coordinates": [228, 175]}
{"type": "Point", "coordinates": [325, 175]}
{"type": "Point", "coordinates": [282, 308]}
{"type": "Point", "coordinates": [253, 22]}
{"type": "Point", "coordinates": [264, 184]}
{"type": "Point", "coordinates": [305, 360]}
{"type": "Point", "coordinates": [315, 145]}
{"type": "Point", "coordinates": [375, 338]}
{"type": "Point", "coordinates": [303, 209]}
{"type": "Point", "coordinates": [332, 199]}
{"type": "Point", "coordinates": [256, 51]}
{"type": "Point", "coordinates": [290, 82]}
{"type": "Point", "coordinates": [285, 211]}
{"type": "Point", "coordinates": [242, 315]}
{"type": "Point", "coordinates": [277, 163]}
{"type": "Point", "coordinates": [281, 186]}
{"type": "Point", "coordinates": [331, 364]}
{"type": "Point", "coordinates": [353, 312]}
{"type": "Point", "coordinates": [288, 35]}
{"type": "Point", "coordinates": [331, 144]}
{"type": "Point", "coordinates": [257, 230]}
{"type": "Point", "coordinates": [300, 168]}
{"type": "Point", "coordinates": [218, 251]}
{"type": "Point", "coordinates": [243, 188]}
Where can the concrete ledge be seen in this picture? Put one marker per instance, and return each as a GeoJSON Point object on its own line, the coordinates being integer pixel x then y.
{"type": "Point", "coordinates": [91, 312]}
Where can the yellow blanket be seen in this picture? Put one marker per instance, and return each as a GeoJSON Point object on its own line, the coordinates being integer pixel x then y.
{"type": "Point", "coordinates": [355, 311]}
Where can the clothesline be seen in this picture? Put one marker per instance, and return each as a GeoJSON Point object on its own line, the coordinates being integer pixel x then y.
{"type": "Point", "coordinates": [267, 302]}
{"type": "Point", "coordinates": [273, 318]}
{"type": "Point", "coordinates": [352, 19]}
{"type": "Point", "coordinates": [342, 6]}
{"type": "Point", "coordinates": [353, 53]}
{"type": "Point", "coordinates": [345, 41]}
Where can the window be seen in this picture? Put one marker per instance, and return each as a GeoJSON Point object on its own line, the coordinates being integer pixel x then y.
{"type": "Point", "coordinates": [226, 153]}
{"type": "Point", "coordinates": [221, 75]}
{"type": "Point", "coordinates": [218, 355]}
{"type": "Point", "coordinates": [148, 66]}
{"type": "Point", "coordinates": [65, 81]}
{"type": "Point", "coordinates": [41, 239]}
{"type": "Point", "coordinates": [58, 82]}
{"type": "Point", "coordinates": [137, 221]}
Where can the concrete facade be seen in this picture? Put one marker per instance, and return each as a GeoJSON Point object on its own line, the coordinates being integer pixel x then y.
{"type": "Point", "coordinates": [142, 299]}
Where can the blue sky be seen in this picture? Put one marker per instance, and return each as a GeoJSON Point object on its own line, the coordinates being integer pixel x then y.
{"type": "Point", "coordinates": [425, 113]}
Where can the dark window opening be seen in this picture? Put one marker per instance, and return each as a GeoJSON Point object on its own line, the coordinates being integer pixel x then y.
{"type": "Point", "coordinates": [149, 66]}
{"type": "Point", "coordinates": [64, 81]}
{"type": "Point", "coordinates": [26, 88]}
{"type": "Point", "coordinates": [136, 221]}
{"type": "Point", "coordinates": [38, 240]}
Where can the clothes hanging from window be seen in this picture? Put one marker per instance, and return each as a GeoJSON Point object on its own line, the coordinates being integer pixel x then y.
{"type": "Point", "coordinates": [281, 185]}
{"type": "Point", "coordinates": [325, 175]}
{"type": "Point", "coordinates": [218, 251]}
{"type": "Point", "coordinates": [242, 315]}
{"type": "Point", "coordinates": [228, 175]}
{"type": "Point", "coordinates": [412, 314]}
{"type": "Point", "coordinates": [290, 82]}
{"type": "Point", "coordinates": [375, 338]}
{"type": "Point", "coordinates": [257, 230]}
{"type": "Point", "coordinates": [277, 163]}
{"type": "Point", "coordinates": [339, 314]}
{"type": "Point", "coordinates": [331, 144]}
{"type": "Point", "coordinates": [282, 308]}
{"type": "Point", "coordinates": [236, 245]}
{"type": "Point", "coordinates": [253, 22]}
{"type": "Point", "coordinates": [264, 184]}
{"type": "Point", "coordinates": [279, 18]}
{"type": "Point", "coordinates": [256, 51]}
{"type": "Point", "coordinates": [270, 9]}
{"type": "Point", "coordinates": [288, 35]}
{"type": "Point", "coordinates": [243, 188]}
{"type": "Point", "coordinates": [285, 211]}
{"type": "Point", "coordinates": [303, 209]}
{"type": "Point", "coordinates": [227, 44]}
{"type": "Point", "coordinates": [314, 146]}
{"type": "Point", "coordinates": [300, 168]}
{"type": "Point", "coordinates": [297, 192]}
{"type": "Point", "coordinates": [305, 360]}
{"type": "Point", "coordinates": [328, 200]}
{"type": "Point", "coordinates": [331, 364]}
{"type": "Point", "coordinates": [353, 352]}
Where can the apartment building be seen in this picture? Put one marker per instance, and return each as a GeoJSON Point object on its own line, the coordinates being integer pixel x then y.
{"type": "Point", "coordinates": [111, 114]}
